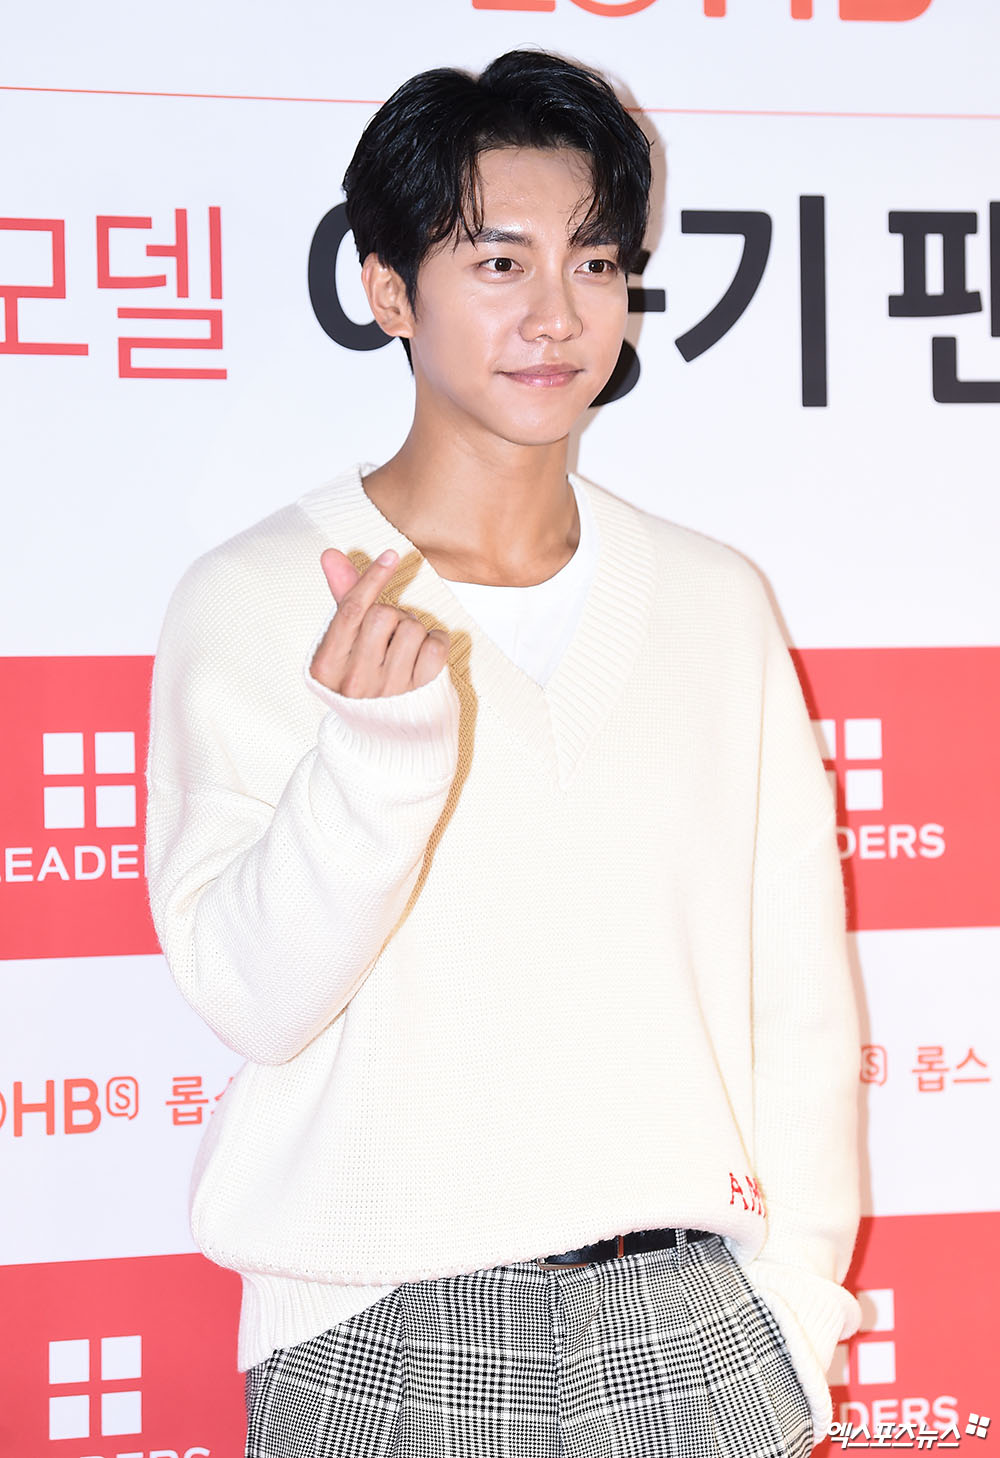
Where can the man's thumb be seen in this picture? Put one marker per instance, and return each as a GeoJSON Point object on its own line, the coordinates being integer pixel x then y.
{"type": "Point", "coordinates": [341, 573]}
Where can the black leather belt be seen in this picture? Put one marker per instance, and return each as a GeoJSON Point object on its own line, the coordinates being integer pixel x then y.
{"type": "Point", "coordinates": [619, 1245]}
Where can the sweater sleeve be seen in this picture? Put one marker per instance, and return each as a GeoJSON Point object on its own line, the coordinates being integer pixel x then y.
{"type": "Point", "coordinates": [806, 1042]}
{"type": "Point", "coordinates": [277, 875]}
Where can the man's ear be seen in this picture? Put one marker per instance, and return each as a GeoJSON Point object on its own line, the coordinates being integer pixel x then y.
{"type": "Point", "coordinates": [387, 299]}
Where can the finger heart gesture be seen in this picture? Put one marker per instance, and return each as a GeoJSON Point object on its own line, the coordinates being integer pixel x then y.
{"type": "Point", "coordinates": [372, 649]}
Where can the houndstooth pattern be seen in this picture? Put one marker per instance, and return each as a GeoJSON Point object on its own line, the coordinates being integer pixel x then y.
{"type": "Point", "coordinates": [660, 1354]}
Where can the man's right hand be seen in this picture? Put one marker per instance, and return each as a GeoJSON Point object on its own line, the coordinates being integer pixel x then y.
{"type": "Point", "coordinates": [372, 650]}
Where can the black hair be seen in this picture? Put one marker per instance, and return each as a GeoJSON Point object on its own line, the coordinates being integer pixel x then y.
{"type": "Point", "coordinates": [414, 180]}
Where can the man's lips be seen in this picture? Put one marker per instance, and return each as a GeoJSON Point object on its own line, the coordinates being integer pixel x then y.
{"type": "Point", "coordinates": [543, 374]}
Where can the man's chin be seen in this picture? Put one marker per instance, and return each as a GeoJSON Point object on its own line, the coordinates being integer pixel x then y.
{"type": "Point", "coordinates": [542, 436]}
{"type": "Point", "coordinates": [546, 428]}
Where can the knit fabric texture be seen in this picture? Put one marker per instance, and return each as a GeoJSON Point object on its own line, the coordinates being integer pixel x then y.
{"type": "Point", "coordinates": [514, 967]}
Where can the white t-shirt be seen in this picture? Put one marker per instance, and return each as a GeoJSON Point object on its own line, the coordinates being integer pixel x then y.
{"type": "Point", "coordinates": [533, 625]}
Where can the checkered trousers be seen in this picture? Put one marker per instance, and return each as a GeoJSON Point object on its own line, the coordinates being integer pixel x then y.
{"type": "Point", "coordinates": [667, 1352]}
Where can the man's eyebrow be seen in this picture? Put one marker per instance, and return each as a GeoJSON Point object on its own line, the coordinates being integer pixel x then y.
{"type": "Point", "coordinates": [501, 235]}
{"type": "Point", "coordinates": [525, 240]}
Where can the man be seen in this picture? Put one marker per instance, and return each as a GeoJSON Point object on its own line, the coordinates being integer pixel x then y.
{"type": "Point", "coordinates": [487, 822]}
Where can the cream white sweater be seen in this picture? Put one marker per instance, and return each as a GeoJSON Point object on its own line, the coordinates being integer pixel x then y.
{"type": "Point", "coordinates": [514, 967]}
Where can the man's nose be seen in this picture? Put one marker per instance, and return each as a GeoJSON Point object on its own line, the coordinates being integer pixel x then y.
{"type": "Point", "coordinates": [552, 312]}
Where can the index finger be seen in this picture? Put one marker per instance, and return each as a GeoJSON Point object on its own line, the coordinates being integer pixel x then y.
{"type": "Point", "coordinates": [344, 581]}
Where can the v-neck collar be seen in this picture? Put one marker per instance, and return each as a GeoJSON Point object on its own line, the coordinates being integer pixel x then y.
{"type": "Point", "coordinates": [556, 719]}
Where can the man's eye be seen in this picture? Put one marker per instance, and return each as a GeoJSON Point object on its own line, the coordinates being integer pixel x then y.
{"type": "Point", "coordinates": [599, 266]}
{"type": "Point", "coordinates": [503, 265]}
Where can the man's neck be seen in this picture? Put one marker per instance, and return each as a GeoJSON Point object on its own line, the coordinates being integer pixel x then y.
{"type": "Point", "coordinates": [503, 516]}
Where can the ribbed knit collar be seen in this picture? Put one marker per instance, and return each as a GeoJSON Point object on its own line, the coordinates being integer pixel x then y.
{"type": "Point", "coordinates": [557, 719]}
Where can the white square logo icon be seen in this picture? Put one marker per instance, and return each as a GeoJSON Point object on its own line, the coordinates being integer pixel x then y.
{"type": "Point", "coordinates": [62, 754]}
{"type": "Point", "coordinates": [876, 1362]}
{"type": "Point", "coordinates": [115, 805]}
{"type": "Point", "coordinates": [63, 807]}
{"type": "Point", "coordinates": [69, 1417]}
{"type": "Point", "coordinates": [114, 753]}
{"type": "Point", "coordinates": [862, 738]}
{"type": "Point", "coordinates": [69, 1361]}
{"type": "Point", "coordinates": [121, 1412]}
{"type": "Point", "coordinates": [863, 789]}
{"type": "Point", "coordinates": [121, 1357]}
{"type": "Point", "coordinates": [878, 1309]}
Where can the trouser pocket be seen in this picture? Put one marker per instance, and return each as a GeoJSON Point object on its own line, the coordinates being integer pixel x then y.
{"type": "Point", "coordinates": [338, 1393]}
{"type": "Point", "coordinates": [754, 1394]}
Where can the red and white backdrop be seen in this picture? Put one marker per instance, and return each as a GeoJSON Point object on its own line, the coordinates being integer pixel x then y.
{"type": "Point", "coordinates": [813, 375]}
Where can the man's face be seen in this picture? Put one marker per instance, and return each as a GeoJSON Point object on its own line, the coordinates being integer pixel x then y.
{"type": "Point", "coordinates": [495, 315]}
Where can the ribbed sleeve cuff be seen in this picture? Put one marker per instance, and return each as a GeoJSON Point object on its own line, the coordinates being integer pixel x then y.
{"type": "Point", "coordinates": [413, 735]}
{"type": "Point", "coordinates": [279, 1311]}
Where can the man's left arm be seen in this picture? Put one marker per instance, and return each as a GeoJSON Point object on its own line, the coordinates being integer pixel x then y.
{"type": "Point", "coordinates": [806, 1042]}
